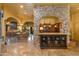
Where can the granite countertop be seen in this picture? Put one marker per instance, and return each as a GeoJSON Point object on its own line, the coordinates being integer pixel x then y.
{"type": "Point", "coordinates": [52, 34]}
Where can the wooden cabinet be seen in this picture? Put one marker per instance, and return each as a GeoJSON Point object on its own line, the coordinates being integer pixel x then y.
{"type": "Point", "coordinates": [51, 37]}
{"type": "Point", "coordinates": [51, 28]}
{"type": "Point", "coordinates": [53, 41]}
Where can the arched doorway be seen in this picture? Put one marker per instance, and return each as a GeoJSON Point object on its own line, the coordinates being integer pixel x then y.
{"type": "Point", "coordinates": [28, 27]}
{"type": "Point", "coordinates": [11, 25]}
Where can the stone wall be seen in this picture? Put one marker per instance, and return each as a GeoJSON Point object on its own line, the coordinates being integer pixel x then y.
{"type": "Point", "coordinates": [62, 12]}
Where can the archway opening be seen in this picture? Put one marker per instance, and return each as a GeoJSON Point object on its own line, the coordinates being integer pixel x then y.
{"type": "Point", "coordinates": [11, 24]}
{"type": "Point", "coordinates": [49, 24]}
{"type": "Point", "coordinates": [28, 27]}
{"type": "Point", "coordinates": [11, 27]}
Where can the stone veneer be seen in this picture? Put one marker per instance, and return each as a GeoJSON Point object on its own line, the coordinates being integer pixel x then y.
{"type": "Point", "coordinates": [62, 12]}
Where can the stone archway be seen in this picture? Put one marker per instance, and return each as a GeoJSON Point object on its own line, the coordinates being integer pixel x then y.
{"type": "Point", "coordinates": [11, 22]}
{"type": "Point", "coordinates": [52, 23]}
{"type": "Point", "coordinates": [61, 12]}
{"type": "Point", "coordinates": [10, 19]}
{"type": "Point", "coordinates": [11, 27]}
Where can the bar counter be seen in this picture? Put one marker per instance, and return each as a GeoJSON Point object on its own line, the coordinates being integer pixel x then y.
{"type": "Point", "coordinates": [51, 33]}
{"type": "Point", "coordinates": [53, 40]}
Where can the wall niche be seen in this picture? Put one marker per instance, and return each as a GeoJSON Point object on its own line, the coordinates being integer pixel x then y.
{"type": "Point", "coordinates": [49, 24]}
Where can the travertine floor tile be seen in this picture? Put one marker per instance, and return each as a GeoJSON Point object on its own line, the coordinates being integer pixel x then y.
{"type": "Point", "coordinates": [30, 48]}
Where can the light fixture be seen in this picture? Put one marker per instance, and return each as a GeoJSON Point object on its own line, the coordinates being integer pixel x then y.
{"type": "Point", "coordinates": [25, 13]}
{"type": "Point", "coordinates": [55, 25]}
{"type": "Point", "coordinates": [78, 8]}
{"type": "Point", "coordinates": [44, 25]}
{"type": "Point", "coordinates": [21, 6]}
{"type": "Point", "coordinates": [8, 23]}
{"type": "Point", "coordinates": [49, 25]}
{"type": "Point", "coordinates": [41, 28]}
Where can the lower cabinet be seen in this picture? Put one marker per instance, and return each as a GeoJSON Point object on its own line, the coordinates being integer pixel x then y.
{"type": "Point", "coordinates": [53, 41]}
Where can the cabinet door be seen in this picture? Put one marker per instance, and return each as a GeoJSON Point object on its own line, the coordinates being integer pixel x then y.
{"type": "Point", "coordinates": [43, 41]}
{"type": "Point", "coordinates": [63, 40]}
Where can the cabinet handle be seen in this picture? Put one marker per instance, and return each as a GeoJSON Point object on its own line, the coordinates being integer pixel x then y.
{"type": "Point", "coordinates": [43, 38]}
{"type": "Point", "coordinates": [48, 38]}
{"type": "Point", "coordinates": [63, 38]}
{"type": "Point", "coordinates": [57, 38]}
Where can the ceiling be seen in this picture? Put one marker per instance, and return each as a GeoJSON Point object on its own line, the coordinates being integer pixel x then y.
{"type": "Point", "coordinates": [25, 10]}
{"type": "Point", "coordinates": [28, 7]}
{"type": "Point", "coordinates": [20, 10]}
{"type": "Point", "coordinates": [74, 8]}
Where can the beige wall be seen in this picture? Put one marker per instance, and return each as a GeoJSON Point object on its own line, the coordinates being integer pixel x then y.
{"type": "Point", "coordinates": [0, 6]}
{"type": "Point", "coordinates": [75, 26]}
{"type": "Point", "coordinates": [49, 20]}
{"type": "Point", "coordinates": [7, 14]}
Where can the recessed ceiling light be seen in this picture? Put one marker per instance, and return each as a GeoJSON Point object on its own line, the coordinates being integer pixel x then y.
{"type": "Point", "coordinates": [21, 6]}
{"type": "Point", "coordinates": [78, 8]}
{"type": "Point", "coordinates": [25, 13]}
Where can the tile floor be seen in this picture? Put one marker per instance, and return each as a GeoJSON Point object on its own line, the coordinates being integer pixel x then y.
{"type": "Point", "coordinates": [27, 47]}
